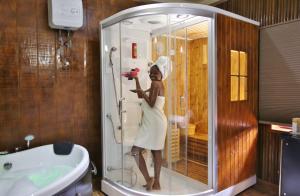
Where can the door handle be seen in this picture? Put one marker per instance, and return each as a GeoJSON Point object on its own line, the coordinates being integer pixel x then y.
{"type": "Point", "coordinates": [182, 102]}
{"type": "Point", "coordinates": [121, 106]}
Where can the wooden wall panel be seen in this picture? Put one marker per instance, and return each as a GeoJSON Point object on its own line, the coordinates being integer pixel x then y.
{"type": "Point", "coordinates": [237, 121]}
{"type": "Point", "coordinates": [198, 85]}
{"type": "Point", "coordinates": [177, 75]}
{"type": "Point", "coordinates": [197, 78]}
{"type": "Point", "coordinates": [36, 95]}
{"type": "Point", "coordinates": [197, 98]}
{"type": "Point", "coordinates": [267, 12]}
{"type": "Point", "coordinates": [268, 154]}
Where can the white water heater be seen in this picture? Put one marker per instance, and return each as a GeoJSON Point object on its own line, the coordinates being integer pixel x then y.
{"type": "Point", "coordinates": [65, 14]}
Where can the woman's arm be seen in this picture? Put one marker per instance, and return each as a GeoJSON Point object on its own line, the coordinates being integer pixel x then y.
{"type": "Point", "coordinates": [139, 90]}
{"type": "Point", "coordinates": [135, 91]}
{"type": "Point", "coordinates": [154, 91]}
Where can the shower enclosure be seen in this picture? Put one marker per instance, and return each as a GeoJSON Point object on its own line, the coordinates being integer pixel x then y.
{"type": "Point", "coordinates": [135, 39]}
{"type": "Point", "coordinates": [185, 34]}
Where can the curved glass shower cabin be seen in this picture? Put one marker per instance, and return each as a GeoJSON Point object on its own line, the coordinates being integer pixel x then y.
{"type": "Point", "coordinates": [136, 38]}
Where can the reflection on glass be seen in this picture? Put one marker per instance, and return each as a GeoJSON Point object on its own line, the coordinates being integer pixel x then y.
{"type": "Point", "coordinates": [239, 73]}
{"type": "Point", "coordinates": [243, 63]}
{"type": "Point", "coordinates": [234, 56]}
{"type": "Point", "coordinates": [204, 55]}
{"type": "Point", "coordinates": [234, 88]}
{"type": "Point", "coordinates": [186, 100]}
{"type": "Point", "coordinates": [243, 88]}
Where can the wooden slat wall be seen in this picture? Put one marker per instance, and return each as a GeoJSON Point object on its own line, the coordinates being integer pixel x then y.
{"type": "Point", "coordinates": [198, 85]}
{"type": "Point", "coordinates": [177, 75]}
{"type": "Point", "coordinates": [197, 79]}
{"type": "Point", "coordinates": [267, 12]}
{"type": "Point", "coordinates": [268, 154]}
{"type": "Point", "coordinates": [197, 150]}
{"type": "Point", "coordinates": [237, 121]}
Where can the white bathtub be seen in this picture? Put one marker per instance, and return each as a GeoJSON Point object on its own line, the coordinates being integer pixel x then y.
{"type": "Point", "coordinates": [40, 172]}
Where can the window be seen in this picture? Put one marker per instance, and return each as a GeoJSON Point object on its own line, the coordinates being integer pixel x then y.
{"type": "Point", "coordinates": [238, 75]}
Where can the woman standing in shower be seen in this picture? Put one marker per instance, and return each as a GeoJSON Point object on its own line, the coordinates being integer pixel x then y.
{"type": "Point", "coordinates": [152, 132]}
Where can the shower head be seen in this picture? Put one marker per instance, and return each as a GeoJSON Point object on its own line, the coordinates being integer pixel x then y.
{"type": "Point", "coordinates": [112, 49]}
{"type": "Point", "coordinates": [108, 116]}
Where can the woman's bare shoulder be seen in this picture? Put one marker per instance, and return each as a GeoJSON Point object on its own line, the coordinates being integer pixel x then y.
{"type": "Point", "coordinates": [159, 86]}
{"type": "Point", "coordinates": [156, 83]}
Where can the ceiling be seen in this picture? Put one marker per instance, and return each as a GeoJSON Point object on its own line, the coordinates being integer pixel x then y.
{"type": "Point", "coordinates": [153, 22]}
{"type": "Point", "coordinates": [196, 31]}
{"type": "Point", "coordinates": [190, 27]}
{"type": "Point", "coordinates": [207, 2]}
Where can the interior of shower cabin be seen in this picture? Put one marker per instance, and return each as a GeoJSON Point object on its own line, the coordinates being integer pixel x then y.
{"type": "Point", "coordinates": [231, 96]}
{"type": "Point", "coordinates": [138, 42]}
{"type": "Point", "coordinates": [190, 79]}
{"type": "Point", "coordinates": [211, 88]}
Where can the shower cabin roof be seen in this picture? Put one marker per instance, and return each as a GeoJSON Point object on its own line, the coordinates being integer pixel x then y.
{"type": "Point", "coordinates": [171, 8]}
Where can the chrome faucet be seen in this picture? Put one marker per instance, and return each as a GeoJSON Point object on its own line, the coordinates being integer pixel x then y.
{"type": "Point", "coordinates": [28, 139]}
{"type": "Point", "coordinates": [5, 152]}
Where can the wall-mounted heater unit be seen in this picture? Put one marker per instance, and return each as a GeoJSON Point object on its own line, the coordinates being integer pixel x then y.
{"type": "Point", "coordinates": [65, 14]}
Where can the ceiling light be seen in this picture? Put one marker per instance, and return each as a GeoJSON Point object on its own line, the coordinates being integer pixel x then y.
{"type": "Point", "coordinates": [182, 16]}
{"type": "Point", "coordinates": [154, 22]}
{"type": "Point", "coordinates": [127, 22]}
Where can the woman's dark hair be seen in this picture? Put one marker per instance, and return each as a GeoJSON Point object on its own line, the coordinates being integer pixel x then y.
{"type": "Point", "coordinates": [156, 67]}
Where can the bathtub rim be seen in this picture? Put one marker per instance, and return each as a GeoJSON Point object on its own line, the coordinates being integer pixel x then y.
{"type": "Point", "coordinates": [71, 177]}
{"type": "Point", "coordinates": [85, 173]}
{"type": "Point", "coordinates": [68, 179]}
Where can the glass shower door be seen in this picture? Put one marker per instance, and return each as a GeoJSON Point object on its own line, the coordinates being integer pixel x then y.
{"type": "Point", "coordinates": [135, 54]}
{"type": "Point", "coordinates": [172, 42]}
{"type": "Point", "coordinates": [112, 167]}
{"type": "Point", "coordinates": [137, 49]}
{"type": "Point", "coordinates": [177, 110]}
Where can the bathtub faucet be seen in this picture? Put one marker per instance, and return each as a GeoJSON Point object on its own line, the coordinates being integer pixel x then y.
{"type": "Point", "coordinates": [28, 139]}
{"type": "Point", "coordinates": [4, 152]}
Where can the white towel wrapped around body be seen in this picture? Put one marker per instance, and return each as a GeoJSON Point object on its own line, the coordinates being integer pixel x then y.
{"type": "Point", "coordinates": [152, 132]}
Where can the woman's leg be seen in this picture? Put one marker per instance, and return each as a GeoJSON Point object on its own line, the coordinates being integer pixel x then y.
{"type": "Point", "coordinates": [140, 161]}
{"type": "Point", "coordinates": [157, 166]}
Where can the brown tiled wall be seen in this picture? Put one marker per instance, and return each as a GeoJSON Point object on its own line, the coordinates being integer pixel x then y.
{"type": "Point", "coordinates": [36, 95]}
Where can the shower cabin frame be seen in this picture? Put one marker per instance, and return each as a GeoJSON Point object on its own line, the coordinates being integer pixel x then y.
{"type": "Point", "coordinates": [176, 8]}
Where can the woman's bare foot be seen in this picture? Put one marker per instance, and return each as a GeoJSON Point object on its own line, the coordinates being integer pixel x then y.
{"type": "Point", "coordinates": [149, 184]}
{"type": "Point", "coordinates": [156, 185]}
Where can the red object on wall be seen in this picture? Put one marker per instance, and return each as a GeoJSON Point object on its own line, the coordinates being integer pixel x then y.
{"type": "Point", "coordinates": [134, 50]}
{"type": "Point", "coordinates": [131, 74]}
